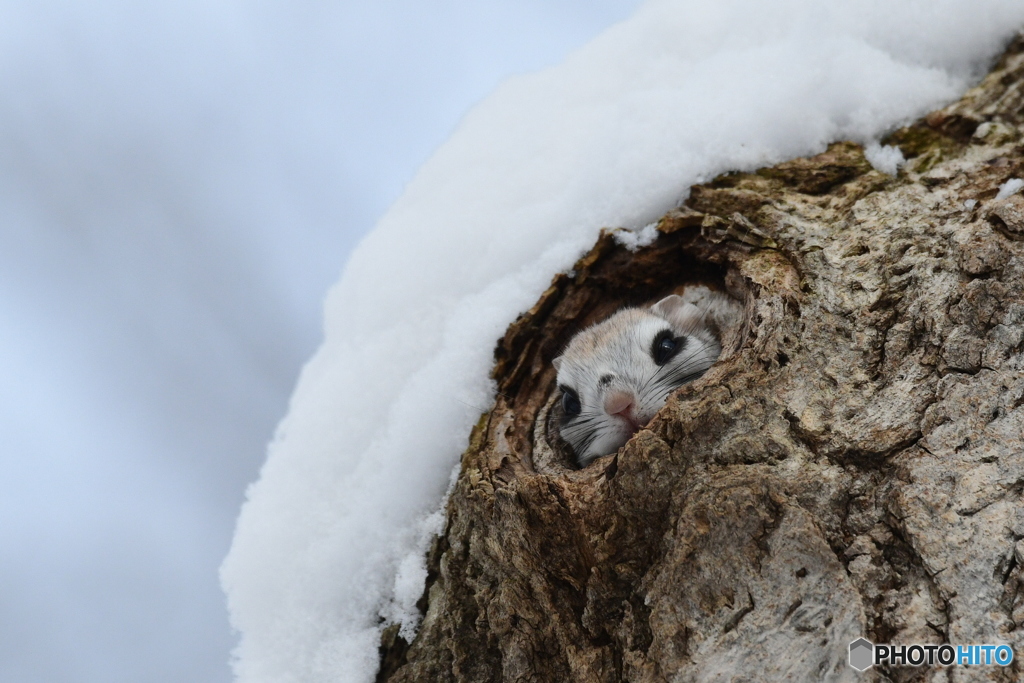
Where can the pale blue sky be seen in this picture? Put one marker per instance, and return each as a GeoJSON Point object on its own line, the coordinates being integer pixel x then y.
{"type": "Point", "coordinates": [179, 184]}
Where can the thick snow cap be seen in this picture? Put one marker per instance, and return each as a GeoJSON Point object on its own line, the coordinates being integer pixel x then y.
{"type": "Point", "coordinates": [330, 543]}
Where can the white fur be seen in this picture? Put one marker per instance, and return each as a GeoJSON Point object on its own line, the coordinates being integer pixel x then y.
{"type": "Point", "coordinates": [615, 356]}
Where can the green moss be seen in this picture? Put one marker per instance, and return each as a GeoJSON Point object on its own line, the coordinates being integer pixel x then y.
{"type": "Point", "coordinates": [919, 139]}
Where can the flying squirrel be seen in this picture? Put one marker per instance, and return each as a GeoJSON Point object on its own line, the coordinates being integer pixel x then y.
{"type": "Point", "coordinates": [616, 374]}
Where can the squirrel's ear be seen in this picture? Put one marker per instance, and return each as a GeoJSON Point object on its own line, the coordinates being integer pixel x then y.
{"type": "Point", "coordinates": [683, 315]}
{"type": "Point", "coordinates": [668, 306]}
{"type": "Point", "coordinates": [557, 363]}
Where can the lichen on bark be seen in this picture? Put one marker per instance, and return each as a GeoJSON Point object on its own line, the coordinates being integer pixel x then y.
{"type": "Point", "coordinates": [854, 465]}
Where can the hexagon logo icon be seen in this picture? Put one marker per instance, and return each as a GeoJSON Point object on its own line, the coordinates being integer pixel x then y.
{"type": "Point", "coordinates": [862, 654]}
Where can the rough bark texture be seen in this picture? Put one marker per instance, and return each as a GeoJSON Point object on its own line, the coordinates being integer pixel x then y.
{"type": "Point", "coordinates": [854, 466]}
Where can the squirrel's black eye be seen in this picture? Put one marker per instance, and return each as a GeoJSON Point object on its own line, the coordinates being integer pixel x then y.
{"type": "Point", "coordinates": [665, 346]}
{"type": "Point", "coordinates": [570, 402]}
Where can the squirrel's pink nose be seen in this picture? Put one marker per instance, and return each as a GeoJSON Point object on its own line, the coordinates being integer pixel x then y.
{"type": "Point", "coordinates": [619, 403]}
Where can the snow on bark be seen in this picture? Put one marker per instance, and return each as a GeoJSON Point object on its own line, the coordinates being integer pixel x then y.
{"type": "Point", "coordinates": [854, 465]}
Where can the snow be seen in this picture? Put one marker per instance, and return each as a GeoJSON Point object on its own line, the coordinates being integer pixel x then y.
{"type": "Point", "coordinates": [886, 159]}
{"type": "Point", "coordinates": [329, 544]}
{"type": "Point", "coordinates": [634, 240]}
{"type": "Point", "coordinates": [1009, 188]}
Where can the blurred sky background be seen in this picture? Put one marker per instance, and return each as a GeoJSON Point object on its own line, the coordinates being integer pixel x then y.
{"type": "Point", "coordinates": [180, 182]}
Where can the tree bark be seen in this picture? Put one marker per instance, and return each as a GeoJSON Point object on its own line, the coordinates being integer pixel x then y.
{"type": "Point", "coordinates": [853, 465]}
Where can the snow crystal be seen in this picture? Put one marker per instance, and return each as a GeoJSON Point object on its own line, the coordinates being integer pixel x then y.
{"type": "Point", "coordinates": [614, 136]}
{"type": "Point", "coordinates": [635, 239]}
{"type": "Point", "coordinates": [1010, 187]}
{"type": "Point", "coordinates": [887, 159]}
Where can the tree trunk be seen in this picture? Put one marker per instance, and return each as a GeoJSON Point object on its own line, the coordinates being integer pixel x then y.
{"type": "Point", "coordinates": [852, 466]}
